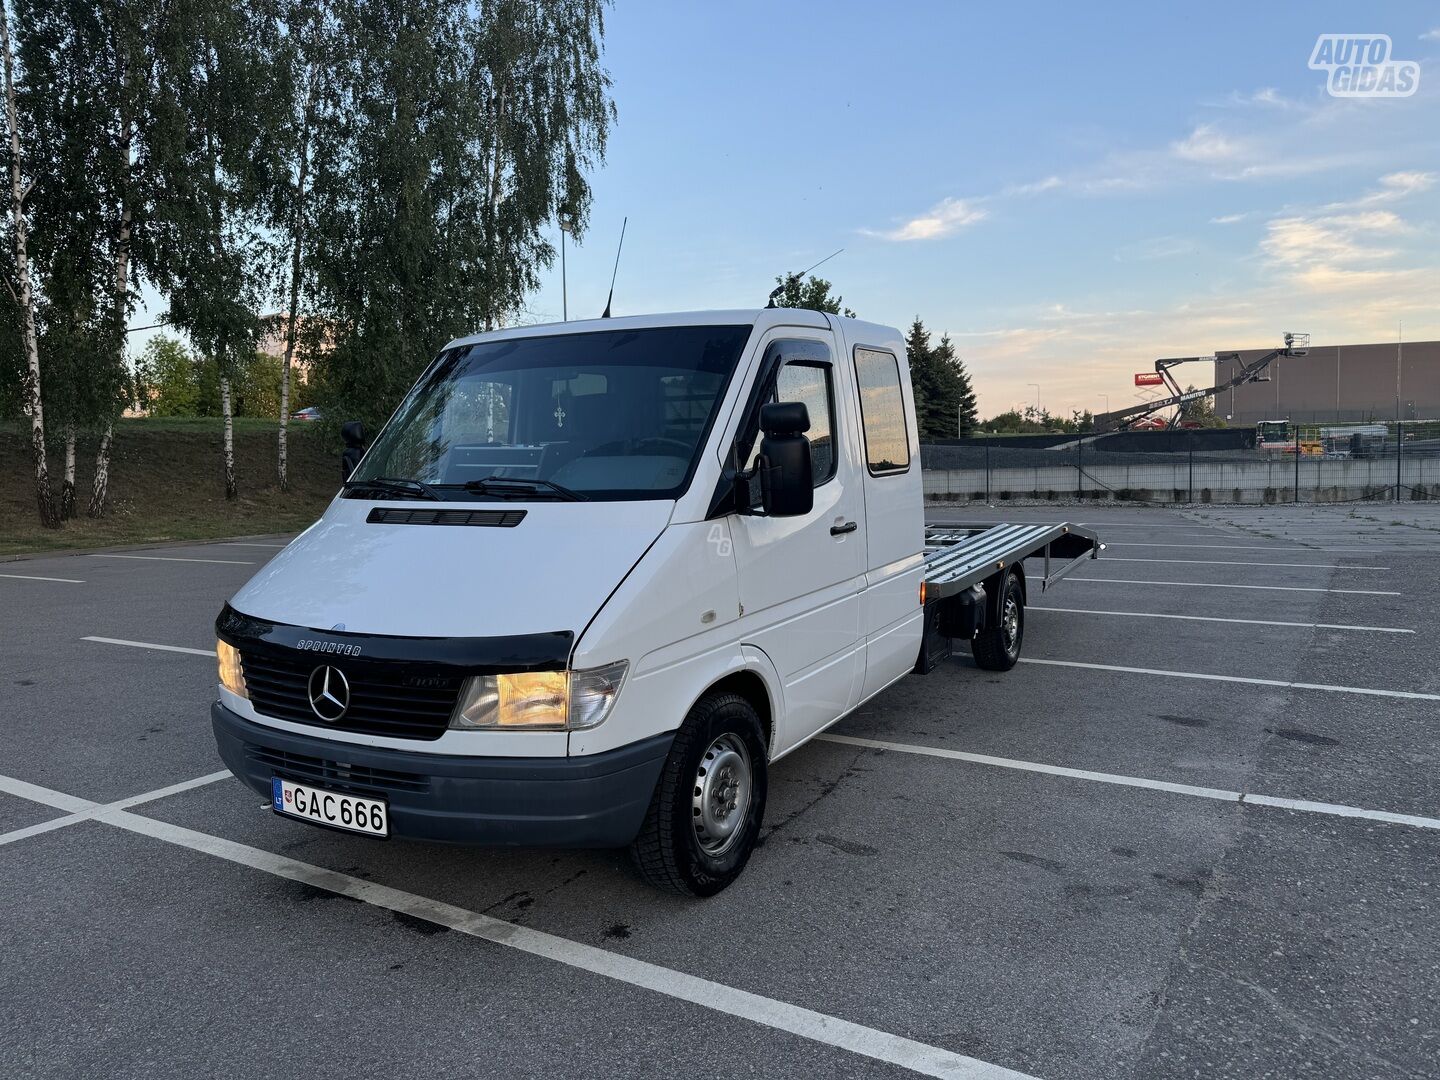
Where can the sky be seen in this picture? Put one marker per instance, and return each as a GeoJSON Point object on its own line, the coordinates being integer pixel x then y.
{"type": "Point", "coordinates": [1070, 190]}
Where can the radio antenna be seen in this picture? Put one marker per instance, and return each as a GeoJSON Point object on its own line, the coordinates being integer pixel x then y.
{"type": "Point", "coordinates": [775, 292]}
{"type": "Point", "coordinates": [618, 248]}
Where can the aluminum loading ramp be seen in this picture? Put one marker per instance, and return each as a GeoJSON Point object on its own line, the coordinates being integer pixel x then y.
{"type": "Point", "coordinates": [958, 557]}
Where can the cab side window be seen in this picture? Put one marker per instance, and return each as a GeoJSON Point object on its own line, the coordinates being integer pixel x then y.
{"type": "Point", "coordinates": [882, 412]}
{"type": "Point", "coordinates": [805, 376]}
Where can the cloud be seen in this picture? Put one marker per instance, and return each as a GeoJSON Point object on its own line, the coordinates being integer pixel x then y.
{"type": "Point", "coordinates": [1207, 145]}
{"type": "Point", "coordinates": [1159, 247]}
{"type": "Point", "coordinates": [1431, 35]}
{"type": "Point", "coordinates": [1229, 219]}
{"type": "Point", "coordinates": [1346, 272]}
{"type": "Point", "coordinates": [944, 218]}
{"type": "Point", "coordinates": [1050, 183]}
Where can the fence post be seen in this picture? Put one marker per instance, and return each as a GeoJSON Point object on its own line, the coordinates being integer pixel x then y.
{"type": "Point", "coordinates": [987, 469]}
{"type": "Point", "coordinates": [1297, 463]}
{"type": "Point", "coordinates": [1079, 469]}
{"type": "Point", "coordinates": [1192, 470]}
{"type": "Point", "coordinates": [1399, 450]}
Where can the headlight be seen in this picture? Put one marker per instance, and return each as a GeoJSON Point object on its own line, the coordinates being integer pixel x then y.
{"type": "Point", "coordinates": [232, 676]}
{"type": "Point", "coordinates": [539, 700]}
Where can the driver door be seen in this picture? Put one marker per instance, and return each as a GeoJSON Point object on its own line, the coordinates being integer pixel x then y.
{"type": "Point", "coordinates": [801, 577]}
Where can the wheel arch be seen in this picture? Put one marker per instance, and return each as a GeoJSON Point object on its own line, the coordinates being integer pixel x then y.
{"type": "Point", "coordinates": [749, 684]}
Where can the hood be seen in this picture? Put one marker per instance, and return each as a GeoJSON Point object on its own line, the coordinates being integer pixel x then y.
{"type": "Point", "coordinates": [550, 572]}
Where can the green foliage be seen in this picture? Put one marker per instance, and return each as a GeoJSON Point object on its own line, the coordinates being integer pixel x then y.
{"type": "Point", "coordinates": [171, 378]}
{"type": "Point", "coordinates": [453, 136]}
{"type": "Point", "coordinates": [177, 383]}
{"type": "Point", "coordinates": [1201, 411]}
{"type": "Point", "coordinates": [1035, 421]}
{"type": "Point", "coordinates": [944, 397]}
{"type": "Point", "coordinates": [811, 293]}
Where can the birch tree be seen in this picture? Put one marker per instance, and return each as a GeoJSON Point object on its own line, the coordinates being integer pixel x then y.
{"type": "Point", "coordinates": [23, 291]}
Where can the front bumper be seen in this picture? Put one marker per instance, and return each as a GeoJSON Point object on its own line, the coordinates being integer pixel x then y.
{"type": "Point", "coordinates": [594, 801]}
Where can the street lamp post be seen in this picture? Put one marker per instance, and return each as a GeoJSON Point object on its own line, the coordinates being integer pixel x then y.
{"type": "Point", "coordinates": [567, 223]}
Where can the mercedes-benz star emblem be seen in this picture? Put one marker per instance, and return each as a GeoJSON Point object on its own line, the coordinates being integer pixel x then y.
{"type": "Point", "coordinates": [329, 693]}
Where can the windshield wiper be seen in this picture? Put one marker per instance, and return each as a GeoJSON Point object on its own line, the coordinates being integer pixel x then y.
{"type": "Point", "coordinates": [414, 489]}
{"type": "Point", "coordinates": [521, 485]}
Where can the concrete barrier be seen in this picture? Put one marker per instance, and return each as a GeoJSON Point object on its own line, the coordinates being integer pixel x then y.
{"type": "Point", "coordinates": [1270, 481]}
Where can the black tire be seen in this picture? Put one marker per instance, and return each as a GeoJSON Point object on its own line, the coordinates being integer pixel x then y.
{"type": "Point", "coordinates": [997, 647]}
{"type": "Point", "coordinates": [682, 849]}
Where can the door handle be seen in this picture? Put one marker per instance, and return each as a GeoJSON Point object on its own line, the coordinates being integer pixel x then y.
{"type": "Point", "coordinates": [841, 530]}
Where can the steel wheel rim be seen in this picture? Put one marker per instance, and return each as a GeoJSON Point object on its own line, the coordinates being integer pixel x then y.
{"type": "Point", "coordinates": [1010, 622]}
{"type": "Point", "coordinates": [720, 799]}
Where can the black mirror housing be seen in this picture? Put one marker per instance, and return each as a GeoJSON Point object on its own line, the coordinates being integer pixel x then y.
{"type": "Point", "coordinates": [352, 432]}
{"type": "Point", "coordinates": [787, 476]}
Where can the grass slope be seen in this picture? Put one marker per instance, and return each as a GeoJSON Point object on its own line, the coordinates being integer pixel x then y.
{"type": "Point", "coordinates": [167, 482]}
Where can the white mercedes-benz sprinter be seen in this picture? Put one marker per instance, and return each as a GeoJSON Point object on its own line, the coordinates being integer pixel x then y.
{"type": "Point", "coordinates": [590, 582]}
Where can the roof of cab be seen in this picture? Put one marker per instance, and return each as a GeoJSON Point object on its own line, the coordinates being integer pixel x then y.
{"type": "Point", "coordinates": [760, 318]}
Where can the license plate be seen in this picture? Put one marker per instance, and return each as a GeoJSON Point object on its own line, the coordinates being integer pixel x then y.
{"type": "Point", "coordinates": [350, 812]}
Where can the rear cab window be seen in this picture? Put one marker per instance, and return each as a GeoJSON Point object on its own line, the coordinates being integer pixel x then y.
{"type": "Point", "coordinates": [882, 411]}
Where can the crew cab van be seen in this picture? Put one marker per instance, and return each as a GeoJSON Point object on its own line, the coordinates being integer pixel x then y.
{"type": "Point", "coordinates": [593, 580]}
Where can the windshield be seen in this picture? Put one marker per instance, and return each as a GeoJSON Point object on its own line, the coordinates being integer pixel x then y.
{"type": "Point", "coordinates": [619, 414]}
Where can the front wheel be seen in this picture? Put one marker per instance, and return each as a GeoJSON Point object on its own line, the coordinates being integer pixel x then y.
{"type": "Point", "coordinates": [997, 648]}
{"type": "Point", "coordinates": [705, 814]}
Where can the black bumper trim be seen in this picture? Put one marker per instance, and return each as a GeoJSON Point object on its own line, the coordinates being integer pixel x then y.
{"type": "Point", "coordinates": [594, 801]}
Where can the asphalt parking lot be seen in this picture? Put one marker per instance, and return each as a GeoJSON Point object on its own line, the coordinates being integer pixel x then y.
{"type": "Point", "coordinates": [1195, 833]}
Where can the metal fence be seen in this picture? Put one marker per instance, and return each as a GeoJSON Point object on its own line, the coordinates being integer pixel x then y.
{"type": "Point", "coordinates": [1403, 464]}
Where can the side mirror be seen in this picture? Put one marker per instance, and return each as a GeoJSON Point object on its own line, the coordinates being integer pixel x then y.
{"type": "Point", "coordinates": [352, 432]}
{"type": "Point", "coordinates": [787, 477]}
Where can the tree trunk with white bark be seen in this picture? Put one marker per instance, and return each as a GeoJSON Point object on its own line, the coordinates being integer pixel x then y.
{"type": "Point", "coordinates": [67, 485]}
{"type": "Point", "coordinates": [24, 295]}
{"type": "Point", "coordinates": [230, 489]}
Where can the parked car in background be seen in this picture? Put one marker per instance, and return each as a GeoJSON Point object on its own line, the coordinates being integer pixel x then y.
{"type": "Point", "coordinates": [310, 412]}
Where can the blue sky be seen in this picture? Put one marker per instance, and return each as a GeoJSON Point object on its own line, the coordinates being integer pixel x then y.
{"type": "Point", "coordinates": [1070, 190]}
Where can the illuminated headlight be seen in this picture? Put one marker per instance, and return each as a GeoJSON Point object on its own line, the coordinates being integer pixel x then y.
{"type": "Point", "coordinates": [232, 676]}
{"type": "Point", "coordinates": [539, 700]}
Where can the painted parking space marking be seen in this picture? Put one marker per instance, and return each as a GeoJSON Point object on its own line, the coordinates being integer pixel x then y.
{"type": "Point", "coordinates": [1245, 562]}
{"type": "Point", "coordinates": [90, 812]}
{"type": "Point", "coordinates": [150, 645]}
{"type": "Point", "coordinates": [1406, 695]}
{"type": "Point", "coordinates": [1217, 619]}
{"type": "Point", "coordinates": [172, 558]}
{"type": "Point", "coordinates": [1250, 547]}
{"type": "Point", "coordinates": [1228, 585]}
{"type": "Point", "coordinates": [769, 1012]}
{"type": "Point", "coordinates": [1221, 794]}
{"type": "Point", "coordinates": [36, 577]}
{"type": "Point", "coordinates": [252, 543]}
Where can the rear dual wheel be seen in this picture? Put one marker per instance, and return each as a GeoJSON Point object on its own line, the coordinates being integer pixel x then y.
{"type": "Point", "coordinates": [705, 814]}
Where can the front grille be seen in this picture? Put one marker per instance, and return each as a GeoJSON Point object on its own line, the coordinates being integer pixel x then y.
{"type": "Point", "coordinates": [399, 699]}
{"type": "Point", "coordinates": [335, 775]}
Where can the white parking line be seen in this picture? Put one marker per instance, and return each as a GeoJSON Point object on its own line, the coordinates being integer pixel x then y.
{"type": "Point", "coordinates": [251, 543]}
{"type": "Point", "coordinates": [94, 809]}
{"type": "Point", "coordinates": [1218, 585]}
{"type": "Point", "coordinates": [1246, 547]}
{"type": "Point", "coordinates": [34, 577]}
{"type": "Point", "coordinates": [780, 1015]}
{"type": "Point", "coordinates": [1404, 694]}
{"type": "Point", "coordinates": [150, 645]}
{"type": "Point", "coordinates": [1242, 562]}
{"type": "Point", "coordinates": [173, 558]}
{"type": "Point", "coordinates": [1212, 618]}
{"type": "Point", "coordinates": [1222, 794]}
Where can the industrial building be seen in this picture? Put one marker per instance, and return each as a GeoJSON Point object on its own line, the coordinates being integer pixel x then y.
{"type": "Point", "coordinates": [1346, 383]}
